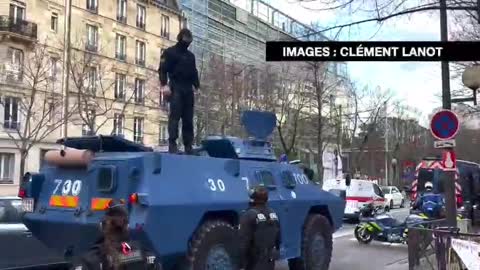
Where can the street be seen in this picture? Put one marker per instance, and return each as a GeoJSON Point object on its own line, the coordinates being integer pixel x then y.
{"type": "Point", "coordinates": [349, 254]}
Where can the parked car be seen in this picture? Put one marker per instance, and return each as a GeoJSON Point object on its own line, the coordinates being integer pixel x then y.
{"type": "Point", "coordinates": [357, 195]}
{"type": "Point", "coordinates": [393, 197]}
{"type": "Point", "coordinates": [19, 249]}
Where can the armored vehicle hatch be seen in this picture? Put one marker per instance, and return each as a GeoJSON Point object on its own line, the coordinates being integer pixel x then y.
{"type": "Point", "coordinates": [258, 125]}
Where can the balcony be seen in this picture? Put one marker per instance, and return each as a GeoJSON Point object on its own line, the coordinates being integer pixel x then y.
{"type": "Point", "coordinates": [91, 47]}
{"type": "Point", "coordinates": [121, 56]}
{"type": "Point", "coordinates": [122, 19]}
{"type": "Point", "coordinates": [140, 62]}
{"type": "Point", "coordinates": [141, 25]}
{"type": "Point", "coordinates": [11, 125]}
{"type": "Point", "coordinates": [19, 29]}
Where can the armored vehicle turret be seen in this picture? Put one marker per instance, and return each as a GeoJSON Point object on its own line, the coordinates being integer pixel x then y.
{"type": "Point", "coordinates": [183, 208]}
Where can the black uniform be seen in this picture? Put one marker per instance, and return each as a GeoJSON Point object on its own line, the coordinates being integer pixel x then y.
{"type": "Point", "coordinates": [179, 64]}
{"type": "Point", "coordinates": [96, 259]}
{"type": "Point", "coordinates": [260, 238]}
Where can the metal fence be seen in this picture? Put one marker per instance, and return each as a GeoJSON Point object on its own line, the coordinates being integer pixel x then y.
{"type": "Point", "coordinates": [430, 248]}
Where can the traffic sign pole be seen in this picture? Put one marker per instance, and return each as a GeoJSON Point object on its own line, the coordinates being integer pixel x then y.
{"type": "Point", "coordinates": [450, 195]}
{"type": "Point", "coordinates": [444, 127]}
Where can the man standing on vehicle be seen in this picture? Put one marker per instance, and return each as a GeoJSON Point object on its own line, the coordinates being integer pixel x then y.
{"type": "Point", "coordinates": [259, 233]}
{"type": "Point", "coordinates": [178, 69]}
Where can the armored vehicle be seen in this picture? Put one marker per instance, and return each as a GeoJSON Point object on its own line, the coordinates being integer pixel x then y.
{"type": "Point", "coordinates": [184, 208]}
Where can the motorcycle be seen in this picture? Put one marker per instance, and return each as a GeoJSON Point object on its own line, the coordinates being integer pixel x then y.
{"type": "Point", "coordinates": [375, 224]}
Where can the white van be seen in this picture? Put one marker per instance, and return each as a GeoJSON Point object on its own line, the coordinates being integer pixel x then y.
{"type": "Point", "coordinates": [357, 194]}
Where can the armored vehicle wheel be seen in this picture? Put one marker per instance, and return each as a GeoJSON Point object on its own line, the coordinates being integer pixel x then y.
{"type": "Point", "coordinates": [317, 245]}
{"type": "Point", "coordinates": [213, 247]}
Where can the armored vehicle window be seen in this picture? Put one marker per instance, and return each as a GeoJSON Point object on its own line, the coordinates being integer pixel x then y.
{"type": "Point", "coordinates": [265, 178]}
{"type": "Point", "coordinates": [106, 179]}
{"type": "Point", "coordinates": [288, 179]}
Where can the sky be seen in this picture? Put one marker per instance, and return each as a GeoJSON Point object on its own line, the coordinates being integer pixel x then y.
{"type": "Point", "coordinates": [417, 84]}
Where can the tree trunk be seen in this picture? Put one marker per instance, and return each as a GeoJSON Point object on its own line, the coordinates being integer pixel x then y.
{"type": "Point", "coordinates": [23, 159]}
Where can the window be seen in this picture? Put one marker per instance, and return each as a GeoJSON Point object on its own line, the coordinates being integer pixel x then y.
{"type": "Point", "coordinates": [122, 11]}
{"type": "Point", "coordinates": [92, 80]}
{"type": "Point", "coordinates": [165, 27]}
{"type": "Point", "coordinates": [377, 191]}
{"type": "Point", "coordinates": [265, 178]}
{"type": "Point", "coordinates": [139, 91]}
{"type": "Point", "coordinates": [7, 165]}
{"type": "Point", "coordinates": [120, 84]}
{"type": "Point", "coordinates": [141, 16]}
{"type": "Point", "coordinates": [92, 38]}
{"type": "Point", "coordinates": [10, 113]}
{"type": "Point", "coordinates": [140, 53]}
{"type": "Point", "coordinates": [118, 124]}
{"type": "Point", "coordinates": [88, 128]}
{"type": "Point", "coordinates": [386, 190]}
{"type": "Point", "coordinates": [17, 12]}
{"type": "Point", "coordinates": [288, 179]}
{"type": "Point", "coordinates": [121, 42]}
{"type": "Point", "coordinates": [163, 134]}
{"type": "Point", "coordinates": [53, 71]}
{"type": "Point", "coordinates": [163, 101]}
{"type": "Point", "coordinates": [51, 112]}
{"type": "Point", "coordinates": [54, 22]}
{"type": "Point", "coordinates": [138, 129]}
{"type": "Point", "coordinates": [92, 5]}
{"type": "Point", "coordinates": [14, 69]}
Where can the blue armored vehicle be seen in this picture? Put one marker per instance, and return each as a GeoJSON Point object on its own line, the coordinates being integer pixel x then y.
{"type": "Point", "coordinates": [184, 208]}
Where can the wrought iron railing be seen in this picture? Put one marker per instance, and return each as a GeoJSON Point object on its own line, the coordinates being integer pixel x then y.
{"type": "Point", "coordinates": [431, 248]}
{"type": "Point", "coordinates": [17, 26]}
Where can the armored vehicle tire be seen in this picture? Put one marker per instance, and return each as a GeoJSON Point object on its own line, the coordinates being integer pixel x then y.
{"type": "Point", "coordinates": [317, 245]}
{"type": "Point", "coordinates": [213, 247]}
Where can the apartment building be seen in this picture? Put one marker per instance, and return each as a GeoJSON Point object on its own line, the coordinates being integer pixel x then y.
{"type": "Point", "coordinates": [113, 82]}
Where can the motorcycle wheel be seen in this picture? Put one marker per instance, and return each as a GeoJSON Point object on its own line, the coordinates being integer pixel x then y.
{"type": "Point", "coordinates": [363, 236]}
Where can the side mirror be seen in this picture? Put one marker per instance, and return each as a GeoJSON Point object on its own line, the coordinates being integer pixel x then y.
{"type": "Point", "coordinates": [348, 180]}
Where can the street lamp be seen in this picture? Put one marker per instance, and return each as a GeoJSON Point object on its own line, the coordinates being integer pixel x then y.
{"type": "Point", "coordinates": [471, 79]}
{"type": "Point", "coordinates": [394, 169]}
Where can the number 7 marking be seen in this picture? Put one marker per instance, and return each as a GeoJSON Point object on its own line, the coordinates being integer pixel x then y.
{"type": "Point", "coordinates": [247, 182]}
{"type": "Point", "coordinates": [58, 182]}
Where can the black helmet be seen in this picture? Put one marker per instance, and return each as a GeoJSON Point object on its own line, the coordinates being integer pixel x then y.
{"type": "Point", "coordinates": [258, 194]}
{"type": "Point", "coordinates": [116, 208]}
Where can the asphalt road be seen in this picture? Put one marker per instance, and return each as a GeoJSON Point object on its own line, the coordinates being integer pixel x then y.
{"type": "Point", "coordinates": [349, 254]}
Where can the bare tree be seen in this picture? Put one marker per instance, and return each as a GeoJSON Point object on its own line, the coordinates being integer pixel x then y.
{"type": "Point", "coordinates": [291, 105]}
{"type": "Point", "coordinates": [33, 108]}
{"type": "Point", "coordinates": [100, 94]}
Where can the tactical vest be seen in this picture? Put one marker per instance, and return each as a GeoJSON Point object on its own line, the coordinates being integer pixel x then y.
{"type": "Point", "coordinates": [265, 233]}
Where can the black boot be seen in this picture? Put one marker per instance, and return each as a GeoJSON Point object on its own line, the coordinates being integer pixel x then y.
{"type": "Point", "coordinates": [188, 150]}
{"type": "Point", "coordinates": [172, 148]}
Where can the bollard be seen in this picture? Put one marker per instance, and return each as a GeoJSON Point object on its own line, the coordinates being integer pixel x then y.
{"type": "Point", "coordinates": [465, 225]}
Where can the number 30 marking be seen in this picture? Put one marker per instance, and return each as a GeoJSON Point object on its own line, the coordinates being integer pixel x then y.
{"type": "Point", "coordinates": [219, 185]}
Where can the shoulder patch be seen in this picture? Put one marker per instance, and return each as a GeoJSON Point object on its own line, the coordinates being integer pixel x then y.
{"type": "Point", "coordinates": [273, 216]}
{"type": "Point", "coordinates": [261, 217]}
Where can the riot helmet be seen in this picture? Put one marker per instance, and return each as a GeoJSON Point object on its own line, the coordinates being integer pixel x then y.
{"type": "Point", "coordinates": [115, 221]}
{"type": "Point", "coordinates": [185, 37]}
{"type": "Point", "coordinates": [428, 186]}
{"type": "Point", "coordinates": [258, 195]}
